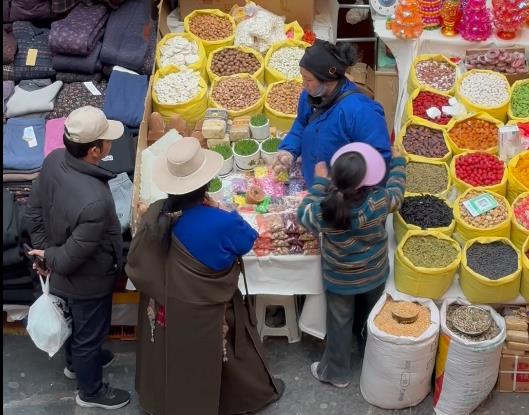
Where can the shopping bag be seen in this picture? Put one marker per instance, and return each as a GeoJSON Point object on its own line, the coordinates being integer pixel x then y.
{"type": "Point", "coordinates": [49, 324]}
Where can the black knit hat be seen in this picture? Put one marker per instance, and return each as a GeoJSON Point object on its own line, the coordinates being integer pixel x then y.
{"type": "Point", "coordinates": [328, 62]}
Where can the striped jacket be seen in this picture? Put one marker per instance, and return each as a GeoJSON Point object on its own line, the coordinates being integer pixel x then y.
{"type": "Point", "coordinates": [355, 261]}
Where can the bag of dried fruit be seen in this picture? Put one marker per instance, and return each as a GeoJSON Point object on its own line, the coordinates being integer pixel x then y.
{"type": "Point", "coordinates": [420, 100]}
{"type": "Point", "coordinates": [475, 132]}
{"type": "Point", "coordinates": [467, 367]}
{"type": "Point", "coordinates": [232, 60]}
{"type": "Point", "coordinates": [520, 220]}
{"type": "Point", "coordinates": [212, 27]}
{"type": "Point", "coordinates": [181, 49]}
{"type": "Point", "coordinates": [400, 227]}
{"type": "Point", "coordinates": [519, 103]}
{"type": "Point", "coordinates": [384, 381]}
{"type": "Point", "coordinates": [518, 180]}
{"type": "Point", "coordinates": [436, 71]}
{"type": "Point", "coordinates": [425, 263]}
{"type": "Point", "coordinates": [226, 93]}
{"type": "Point", "coordinates": [282, 61]}
{"type": "Point", "coordinates": [524, 284]}
{"type": "Point", "coordinates": [422, 142]}
{"type": "Point", "coordinates": [281, 103]}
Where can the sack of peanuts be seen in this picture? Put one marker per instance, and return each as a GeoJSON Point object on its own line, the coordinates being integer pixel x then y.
{"type": "Point", "coordinates": [238, 94]}
{"type": "Point", "coordinates": [524, 284]}
{"type": "Point", "coordinates": [467, 366]}
{"type": "Point", "coordinates": [435, 71]}
{"type": "Point", "coordinates": [212, 27]}
{"type": "Point", "coordinates": [281, 103]}
{"type": "Point", "coordinates": [402, 333]}
{"type": "Point", "coordinates": [233, 60]}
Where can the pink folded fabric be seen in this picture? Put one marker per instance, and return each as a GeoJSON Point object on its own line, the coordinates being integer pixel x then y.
{"type": "Point", "coordinates": [53, 136]}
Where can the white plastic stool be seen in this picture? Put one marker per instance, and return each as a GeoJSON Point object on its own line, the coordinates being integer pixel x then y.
{"type": "Point", "coordinates": [290, 329]}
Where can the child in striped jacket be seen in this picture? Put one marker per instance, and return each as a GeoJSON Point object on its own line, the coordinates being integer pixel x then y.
{"type": "Point", "coordinates": [349, 211]}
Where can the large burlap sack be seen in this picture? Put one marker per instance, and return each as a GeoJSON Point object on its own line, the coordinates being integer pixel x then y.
{"type": "Point", "coordinates": [199, 65]}
{"type": "Point", "coordinates": [480, 116]}
{"type": "Point", "coordinates": [211, 45]}
{"type": "Point", "coordinates": [445, 193]}
{"type": "Point", "coordinates": [414, 83]}
{"type": "Point", "coordinates": [283, 122]}
{"type": "Point", "coordinates": [407, 115]}
{"type": "Point", "coordinates": [400, 227]}
{"type": "Point", "coordinates": [423, 123]}
{"type": "Point", "coordinates": [509, 111]}
{"type": "Point", "coordinates": [272, 75]}
{"type": "Point", "coordinates": [259, 74]}
{"type": "Point", "coordinates": [255, 109]}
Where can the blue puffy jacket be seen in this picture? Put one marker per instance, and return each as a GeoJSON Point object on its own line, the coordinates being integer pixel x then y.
{"type": "Point", "coordinates": [356, 118]}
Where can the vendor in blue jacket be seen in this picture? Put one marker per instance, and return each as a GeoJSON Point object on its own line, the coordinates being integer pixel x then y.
{"type": "Point", "coordinates": [332, 112]}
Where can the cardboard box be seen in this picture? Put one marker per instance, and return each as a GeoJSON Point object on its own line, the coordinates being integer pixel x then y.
{"type": "Point", "coordinates": [512, 78]}
{"type": "Point", "coordinates": [514, 374]}
{"type": "Point", "coordinates": [364, 78]}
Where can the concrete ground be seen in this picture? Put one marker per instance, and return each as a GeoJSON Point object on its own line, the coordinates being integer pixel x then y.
{"type": "Point", "coordinates": [34, 384]}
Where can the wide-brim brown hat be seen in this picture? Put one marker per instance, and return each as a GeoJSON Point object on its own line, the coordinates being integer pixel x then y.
{"type": "Point", "coordinates": [185, 167]}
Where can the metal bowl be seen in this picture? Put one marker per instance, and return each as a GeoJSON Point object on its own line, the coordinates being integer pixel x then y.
{"type": "Point", "coordinates": [461, 309]}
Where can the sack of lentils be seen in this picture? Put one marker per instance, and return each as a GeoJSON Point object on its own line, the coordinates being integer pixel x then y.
{"type": "Point", "coordinates": [425, 263]}
{"type": "Point", "coordinates": [232, 60]}
{"type": "Point", "coordinates": [424, 212]}
{"type": "Point", "coordinates": [495, 222]}
{"type": "Point", "coordinates": [484, 91]}
{"type": "Point", "coordinates": [282, 61]}
{"type": "Point", "coordinates": [427, 177]}
{"type": "Point", "coordinates": [421, 100]}
{"type": "Point", "coordinates": [519, 104]}
{"type": "Point", "coordinates": [435, 71]}
{"type": "Point", "coordinates": [420, 142]}
{"type": "Point", "coordinates": [524, 284]}
{"type": "Point", "coordinates": [281, 103]}
{"type": "Point", "coordinates": [491, 269]}
{"type": "Point", "coordinates": [238, 94]}
{"type": "Point", "coordinates": [520, 220]}
{"type": "Point", "coordinates": [212, 27]}
{"type": "Point", "coordinates": [477, 132]}
{"type": "Point", "coordinates": [518, 180]}
{"type": "Point", "coordinates": [181, 50]}
{"type": "Point", "coordinates": [479, 170]}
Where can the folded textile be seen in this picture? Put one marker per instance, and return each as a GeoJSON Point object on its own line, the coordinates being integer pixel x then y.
{"type": "Point", "coordinates": [122, 188]}
{"type": "Point", "coordinates": [23, 143]}
{"type": "Point", "coordinates": [54, 135]}
{"type": "Point", "coordinates": [31, 37]}
{"type": "Point", "coordinates": [127, 35]}
{"type": "Point", "coordinates": [69, 77]}
{"type": "Point", "coordinates": [122, 156]}
{"type": "Point", "coordinates": [8, 87]}
{"type": "Point", "coordinates": [61, 6]}
{"type": "Point", "coordinates": [29, 10]}
{"type": "Point", "coordinates": [78, 32]}
{"type": "Point", "coordinates": [83, 64]}
{"type": "Point", "coordinates": [9, 44]}
{"type": "Point", "coordinates": [9, 73]}
{"type": "Point", "coordinates": [77, 95]}
{"type": "Point", "coordinates": [19, 177]}
{"type": "Point", "coordinates": [148, 63]}
{"type": "Point", "coordinates": [27, 102]}
{"type": "Point", "coordinates": [125, 97]}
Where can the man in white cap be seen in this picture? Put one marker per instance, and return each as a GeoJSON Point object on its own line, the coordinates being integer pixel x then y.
{"type": "Point", "coordinates": [74, 228]}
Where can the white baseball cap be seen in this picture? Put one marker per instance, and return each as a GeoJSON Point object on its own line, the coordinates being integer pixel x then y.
{"type": "Point", "coordinates": [88, 124]}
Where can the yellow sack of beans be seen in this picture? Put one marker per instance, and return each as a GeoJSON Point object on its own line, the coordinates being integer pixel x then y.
{"type": "Point", "coordinates": [282, 121]}
{"type": "Point", "coordinates": [461, 186]}
{"type": "Point", "coordinates": [199, 65]}
{"type": "Point", "coordinates": [421, 281]}
{"type": "Point", "coordinates": [254, 109]}
{"type": "Point", "coordinates": [524, 284]}
{"type": "Point", "coordinates": [271, 74]}
{"type": "Point", "coordinates": [294, 31]}
{"type": "Point", "coordinates": [192, 110]}
{"type": "Point", "coordinates": [414, 83]}
{"type": "Point", "coordinates": [422, 123]}
{"type": "Point", "coordinates": [499, 112]}
{"type": "Point", "coordinates": [514, 186]}
{"type": "Point", "coordinates": [482, 290]}
{"type": "Point", "coordinates": [456, 149]}
{"type": "Point", "coordinates": [518, 232]}
{"type": "Point", "coordinates": [445, 193]}
{"type": "Point", "coordinates": [211, 45]}
{"type": "Point", "coordinates": [465, 231]}
{"type": "Point", "coordinates": [259, 74]}
{"type": "Point", "coordinates": [509, 110]}
{"type": "Point", "coordinates": [400, 227]}
{"type": "Point", "coordinates": [407, 115]}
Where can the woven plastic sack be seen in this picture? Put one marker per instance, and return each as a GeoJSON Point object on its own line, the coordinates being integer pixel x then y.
{"type": "Point", "coordinates": [252, 110]}
{"type": "Point", "coordinates": [271, 75]}
{"type": "Point", "coordinates": [423, 123]}
{"type": "Point", "coordinates": [199, 65]}
{"type": "Point", "coordinates": [518, 233]}
{"type": "Point", "coordinates": [294, 31]}
{"type": "Point", "coordinates": [421, 281]}
{"type": "Point", "coordinates": [480, 289]}
{"type": "Point", "coordinates": [499, 112]}
{"type": "Point", "coordinates": [407, 115]}
{"type": "Point", "coordinates": [465, 371]}
{"type": "Point", "coordinates": [192, 110]}
{"type": "Point", "coordinates": [383, 381]}
{"type": "Point", "coordinates": [509, 110]}
{"type": "Point", "coordinates": [283, 122]}
{"type": "Point", "coordinates": [400, 227]}
{"type": "Point", "coordinates": [259, 74]}
{"type": "Point", "coordinates": [413, 82]}
{"type": "Point", "coordinates": [442, 195]}
{"type": "Point", "coordinates": [514, 186]}
{"type": "Point", "coordinates": [461, 186]}
{"type": "Point", "coordinates": [524, 284]}
{"type": "Point", "coordinates": [211, 45]}
{"type": "Point", "coordinates": [480, 116]}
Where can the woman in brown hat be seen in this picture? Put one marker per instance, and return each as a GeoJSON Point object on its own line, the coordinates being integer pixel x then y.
{"type": "Point", "coordinates": [198, 350]}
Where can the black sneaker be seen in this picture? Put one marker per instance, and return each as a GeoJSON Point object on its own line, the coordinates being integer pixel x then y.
{"type": "Point", "coordinates": [107, 358]}
{"type": "Point", "coordinates": [106, 398]}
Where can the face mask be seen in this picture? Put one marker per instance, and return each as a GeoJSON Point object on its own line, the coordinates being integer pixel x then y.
{"type": "Point", "coordinates": [319, 92]}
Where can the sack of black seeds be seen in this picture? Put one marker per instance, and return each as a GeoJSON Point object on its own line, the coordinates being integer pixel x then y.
{"type": "Point", "coordinates": [467, 366]}
{"type": "Point", "coordinates": [491, 270]}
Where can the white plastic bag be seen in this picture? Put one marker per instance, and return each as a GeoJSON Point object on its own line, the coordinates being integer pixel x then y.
{"type": "Point", "coordinates": [48, 326]}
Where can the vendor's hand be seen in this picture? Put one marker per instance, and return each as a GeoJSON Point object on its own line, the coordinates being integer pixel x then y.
{"type": "Point", "coordinates": [283, 162]}
{"type": "Point", "coordinates": [321, 169]}
{"type": "Point", "coordinates": [37, 252]}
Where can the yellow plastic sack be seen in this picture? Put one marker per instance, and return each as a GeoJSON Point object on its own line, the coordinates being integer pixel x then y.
{"type": "Point", "coordinates": [294, 31]}
{"type": "Point", "coordinates": [199, 65]}
{"type": "Point", "coordinates": [259, 74]}
{"type": "Point", "coordinates": [421, 281]}
{"type": "Point", "coordinates": [283, 122]}
{"type": "Point", "coordinates": [423, 123]}
{"type": "Point", "coordinates": [499, 112]}
{"type": "Point", "coordinates": [190, 111]}
{"type": "Point", "coordinates": [480, 289]}
{"type": "Point", "coordinates": [461, 186]}
{"type": "Point", "coordinates": [524, 284]}
{"type": "Point", "coordinates": [407, 115]}
{"type": "Point", "coordinates": [518, 233]}
{"type": "Point", "coordinates": [513, 87]}
{"type": "Point", "coordinates": [465, 231]}
{"type": "Point", "coordinates": [413, 82]}
{"type": "Point", "coordinates": [400, 227]}
{"type": "Point", "coordinates": [211, 45]}
{"type": "Point", "coordinates": [514, 186]}
{"type": "Point", "coordinates": [444, 194]}
{"type": "Point", "coordinates": [480, 116]}
{"type": "Point", "coordinates": [271, 75]}
{"type": "Point", "coordinates": [252, 110]}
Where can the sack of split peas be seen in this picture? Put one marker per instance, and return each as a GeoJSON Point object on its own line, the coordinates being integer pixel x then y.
{"type": "Point", "coordinates": [401, 142]}
{"type": "Point", "coordinates": [213, 44]}
{"type": "Point", "coordinates": [272, 75]}
{"type": "Point", "coordinates": [258, 74]}
{"type": "Point", "coordinates": [199, 65]}
{"type": "Point", "coordinates": [510, 112]}
{"type": "Point", "coordinates": [427, 177]}
{"type": "Point", "coordinates": [282, 120]}
{"type": "Point", "coordinates": [477, 132]}
{"type": "Point", "coordinates": [524, 284]}
{"type": "Point", "coordinates": [408, 114]}
{"type": "Point", "coordinates": [401, 227]}
{"type": "Point", "coordinates": [413, 81]}
{"type": "Point", "coordinates": [518, 180]}
{"type": "Point", "coordinates": [519, 233]}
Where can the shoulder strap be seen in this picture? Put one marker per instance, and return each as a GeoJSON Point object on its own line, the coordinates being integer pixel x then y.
{"type": "Point", "coordinates": [320, 111]}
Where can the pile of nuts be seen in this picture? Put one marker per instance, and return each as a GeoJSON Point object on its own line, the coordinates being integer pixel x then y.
{"type": "Point", "coordinates": [426, 100]}
{"type": "Point", "coordinates": [209, 27]}
{"type": "Point", "coordinates": [438, 75]}
{"type": "Point", "coordinates": [286, 61]}
{"type": "Point", "coordinates": [485, 89]}
{"type": "Point", "coordinates": [284, 97]}
{"type": "Point", "coordinates": [235, 94]}
{"type": "Point", "coordinates": [177, 88]}
{"type": "Point", "coordinates": [178, 51]}
{"type": "Point", "coordinates": [479, 169]}
{"type": "Point", "coordinates": [424, 141]}
{"type": "Point", "coordinates": [232, 61]}
{"type": "Point", "coordinates": [499, 60]}
{"type": "Point", "coordinates": [426, 178]}
{"type": "Point", "coordinates": [487, 220]}
{"type": "Point", "coordinates": [474, 134]}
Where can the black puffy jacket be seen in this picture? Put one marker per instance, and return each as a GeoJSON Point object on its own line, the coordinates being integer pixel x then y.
{"type": "Point", "coordinates": [72, 216]}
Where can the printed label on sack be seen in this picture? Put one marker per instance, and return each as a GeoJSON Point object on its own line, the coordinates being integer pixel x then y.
{"type": "Point", "coordinates": [31, 58]}
{"type": "Point", "coordinates": [480, 204]}
{"type": "Point", "coordinates": [92, 88]}
{"type": "Point", "coordinates": [29, 137]}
